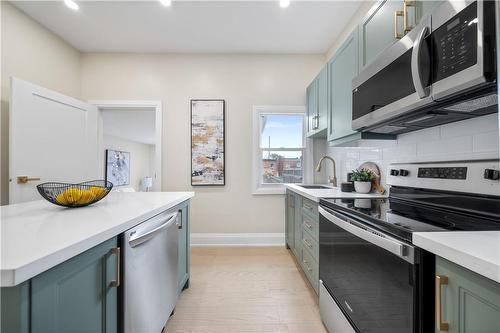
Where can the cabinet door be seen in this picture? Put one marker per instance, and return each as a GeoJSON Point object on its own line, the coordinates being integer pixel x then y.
{"type": "Point", "coordinates": [342, 69]}
{"type": "Point", "coordinates": [312, 106]}
{"type": "Point", "coordinates": [470, 303]}
{"type": "Point", "coordinates": [76, 295]}
{"type": "Point", "coordinates": [290, 220]}
{"type": "Point", "coordinates": [377, 29]}
{"type": "Point", "coordinates": [322, 82]}
{"type": "Point", "coordinates": [183, 247]}
{"type": "Point", "coordinates": [297, 227]}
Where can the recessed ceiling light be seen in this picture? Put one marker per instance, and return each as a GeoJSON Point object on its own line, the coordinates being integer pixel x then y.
{"type": "Point", "coordinates": [284, 3]}
{"type": "Point", "coordinates": [166, 3]}
{"type": "Point", "coordinates": [71, 4]}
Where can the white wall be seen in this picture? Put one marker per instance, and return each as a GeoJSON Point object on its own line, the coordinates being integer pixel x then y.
{"type": "Point", "coordinates": [31, 52]}
{"type": "Point", "coordinates": [469, 139]}
{"type": "Point", "coordinates": [243, 81]}
{"type": "Point", "coordinates": [140, 158]}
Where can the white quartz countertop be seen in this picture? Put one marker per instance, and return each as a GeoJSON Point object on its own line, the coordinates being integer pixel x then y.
{"type": "Point", "coordinates": [478, 251]}
{"type": "Point", "coordinates": [332, 192]}
{"type": "Point", "coordinates": [36, 236]}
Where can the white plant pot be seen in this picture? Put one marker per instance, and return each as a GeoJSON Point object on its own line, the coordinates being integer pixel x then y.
{"type": "Point", "coordinates": [363, 187]}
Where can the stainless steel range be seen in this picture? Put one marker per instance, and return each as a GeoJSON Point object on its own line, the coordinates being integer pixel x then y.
{"type": "Point", "coordinates": [372, 278]}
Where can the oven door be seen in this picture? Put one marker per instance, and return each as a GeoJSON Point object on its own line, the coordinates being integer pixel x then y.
{"type": "Point", "coordinates": [371, 277]}
{"type": "Point", "coordinates": [397, 82]}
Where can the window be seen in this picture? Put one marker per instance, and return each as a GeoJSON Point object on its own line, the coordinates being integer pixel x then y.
{"type": "Point", "coordinates": [279, 148]}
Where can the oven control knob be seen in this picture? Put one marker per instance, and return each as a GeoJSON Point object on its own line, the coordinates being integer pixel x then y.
{"type": "Point", "coordinates": [491, 174]}
{"type": "Point", "coordinates": [394, 172]}
{"type": "Point", "coordinates": [403, 172]}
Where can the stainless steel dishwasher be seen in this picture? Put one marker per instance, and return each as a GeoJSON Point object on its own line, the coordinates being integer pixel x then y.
{"type": "Point", "coordinates": [150, 260]}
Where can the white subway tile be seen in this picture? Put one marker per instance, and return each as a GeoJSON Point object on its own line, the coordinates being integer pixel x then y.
{"type": "Point", "coordinates": [400, 153]}
{"type": "Point", "coordinates": [485, 142]}
{"type": "Point", "coordinates": [445, 147]}
{"type": "Point", "coordinates": [428, 134]}
{"type": "Point", "coordinates": [370, 155]}
{"type": "Point", "coordinates": [472, 126]}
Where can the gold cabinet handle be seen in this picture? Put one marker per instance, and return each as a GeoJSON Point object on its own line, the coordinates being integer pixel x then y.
{"type": "Point", "coordinates": [406, 26]}
{"type": "Point", "coordinates": [309, 245]}
{"type": "Point", "coordinates": [306, 206]}
{"type": "Point", "coordinates": [116, 283]}
{"type": "Point", "coordinates": [441, 280]}
{"type": "Point", "coordinates": [309, 269]}
{"type": "Point", "coordinates": [397, 13]}
{"type": "Point", "coordinates": [25, 179]}
{"type": "Point", "coordinates": [309, 226]}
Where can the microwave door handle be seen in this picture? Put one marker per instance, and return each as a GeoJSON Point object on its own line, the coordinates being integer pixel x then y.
{"type": "Point", "coordinates": [415, 61]}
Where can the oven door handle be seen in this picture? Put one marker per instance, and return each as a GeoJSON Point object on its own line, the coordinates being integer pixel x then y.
{"type": "Point", "coordinates": [390, 244]}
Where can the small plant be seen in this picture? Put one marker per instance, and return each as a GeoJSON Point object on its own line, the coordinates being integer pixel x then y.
{"type": "Point", "coordinates": [363, 175]}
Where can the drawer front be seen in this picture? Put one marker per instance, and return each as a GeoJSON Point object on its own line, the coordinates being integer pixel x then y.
{"type": "Point", "coordinates": [311, 225]}
{"type": "Point", "coordinates": [310, 207]}
{"type": "Point", "coordinates": [311, 269]}
{"type": "Point", "coordinates": [310, 244]}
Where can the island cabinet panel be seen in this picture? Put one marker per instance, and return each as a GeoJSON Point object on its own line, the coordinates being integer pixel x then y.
{"type": "Point", "coordinates": [15, 308]}
{"type": "Point", "coordinates": [467, 301]}
{"type": "Point", "coordinates": [77, 296]}
{"type": "Point", "coordinates": [184, 246]}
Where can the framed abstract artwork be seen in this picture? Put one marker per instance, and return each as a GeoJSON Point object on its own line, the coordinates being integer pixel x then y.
{"type": "Point", "coordinates": [208, 142]}
{"type": "Point", "coordinates": [118, 167]}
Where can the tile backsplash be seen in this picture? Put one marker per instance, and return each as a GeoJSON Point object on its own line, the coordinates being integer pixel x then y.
{"type": "Point", "coordinates": [476, 138]}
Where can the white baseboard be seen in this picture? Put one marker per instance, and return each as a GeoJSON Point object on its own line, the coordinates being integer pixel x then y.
{"type": "Point", "coordinates": [249, 239]}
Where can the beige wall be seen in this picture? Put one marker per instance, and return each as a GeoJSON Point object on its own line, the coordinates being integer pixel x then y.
{"type": "Point", "coordinates": [31, 52]}
{"type": "Point", "coordinates": [140, 158]}
{"type": "Point", "coordinates": [243, 81]}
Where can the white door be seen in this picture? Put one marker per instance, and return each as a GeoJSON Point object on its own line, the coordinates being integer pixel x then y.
{"type": "Point", "coordinates": [53, 137]}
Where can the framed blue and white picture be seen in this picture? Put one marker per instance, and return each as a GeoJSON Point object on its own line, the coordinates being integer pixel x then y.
{"type": "Point", "coordinates": [118, 167]}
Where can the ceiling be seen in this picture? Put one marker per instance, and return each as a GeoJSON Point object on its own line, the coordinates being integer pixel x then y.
{"type": "Point", "coordinates": [308, 27]}
{"type": "Point", "coordinates": [132, 125]}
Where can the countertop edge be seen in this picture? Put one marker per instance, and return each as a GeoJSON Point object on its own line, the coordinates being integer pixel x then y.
{"type": "Point", "coordinates": [339, 195]}
{"type": "Point", "coordinates": [460, 257]}
{"type": "Point", "coordinates": [11, 277]}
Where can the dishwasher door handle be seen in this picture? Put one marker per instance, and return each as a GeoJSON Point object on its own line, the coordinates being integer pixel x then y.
{"type": "Point", "coordinates": [142, 237]}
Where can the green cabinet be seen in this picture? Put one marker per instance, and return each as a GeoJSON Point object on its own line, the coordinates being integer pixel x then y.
{"type": "Point", "coordinates": [467, 302]}
{"type": "Point", "coordinates": [302, 234]}
{"type": "Point", "coordinates": [317, 104]}
{"type": "Point", "coordinates": [343, 67]}
{"type": "Point", "coordinates": [184, 246]}
{"type": "Point", "coordinates": [78, 295]}
{"type": "Point", "coordinates": [75, 296]}
{"type": "Point", "coordinates": [385, 23]}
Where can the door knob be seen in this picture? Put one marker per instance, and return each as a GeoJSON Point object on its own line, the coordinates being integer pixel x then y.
{"type": "Point", "coordinates": [25, 179]}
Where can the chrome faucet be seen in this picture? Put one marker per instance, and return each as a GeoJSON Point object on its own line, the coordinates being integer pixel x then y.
{"type": "Point", "coordinates": [333, 179]}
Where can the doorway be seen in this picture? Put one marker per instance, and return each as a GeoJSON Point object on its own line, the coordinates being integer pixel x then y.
{"type": "Point", "coordinates": [133, 130]}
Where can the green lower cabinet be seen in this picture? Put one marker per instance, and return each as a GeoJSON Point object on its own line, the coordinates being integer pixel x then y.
{"type": "Point", "coordinates": [470, 303]}
{"type": "Point", "coordinates": [77, 295]}
{"type": "Point", "coordinates": [184, 247]}
{"type": "Point", "coordinates": [302, 234]}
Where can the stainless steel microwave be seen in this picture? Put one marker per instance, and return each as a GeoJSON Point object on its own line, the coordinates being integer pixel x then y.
{"type": "Point", "coordinates": [443, 70]}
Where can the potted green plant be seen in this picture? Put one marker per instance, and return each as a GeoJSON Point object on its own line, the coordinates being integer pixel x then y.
{"type": "Point", "coordinates": [362, 180]}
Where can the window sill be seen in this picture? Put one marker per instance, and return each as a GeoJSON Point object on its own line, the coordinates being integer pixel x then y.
{"type": "Point", "coordinates": [275, 190]}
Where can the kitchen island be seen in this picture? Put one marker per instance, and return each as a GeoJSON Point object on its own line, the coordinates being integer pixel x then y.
{"type": "Point", "coordinates": [61, 267]}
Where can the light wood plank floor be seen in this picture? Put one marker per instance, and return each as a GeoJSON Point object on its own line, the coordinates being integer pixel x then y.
{"type": "Point", "coordinates": [246, 289]}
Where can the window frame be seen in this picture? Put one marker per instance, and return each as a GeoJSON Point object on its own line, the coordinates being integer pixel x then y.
{"type": "Point", "coordinates": [258, 187]}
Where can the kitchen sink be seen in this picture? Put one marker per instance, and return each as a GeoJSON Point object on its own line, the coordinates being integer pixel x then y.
{"type": "Point", "coordinates": [316, 187]}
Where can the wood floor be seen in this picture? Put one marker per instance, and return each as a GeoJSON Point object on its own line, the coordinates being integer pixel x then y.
{"type": "Point", "coordinates": [246, 289]}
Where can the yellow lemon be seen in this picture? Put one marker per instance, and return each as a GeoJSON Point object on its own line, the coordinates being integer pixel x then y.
{"type": "Point", "coordinates": [60, 199]}
{"type": "Point", "coordinates": [86, 197]}
{"type": "Point", "coordinates": [98, 192]}
{"type": "Point", "coordinates": [72, 195]}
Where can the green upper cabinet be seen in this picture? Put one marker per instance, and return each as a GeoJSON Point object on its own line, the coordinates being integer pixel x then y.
{"type": "Point", "coordinates": [317, 104]}
{"type": "Point", "coordinates": [388, 21]}
{"type": "Point", "coordinates": [343, 67]}
{"type": "Point", "coordinates": [467, 301]}
{"type": "Point", "coordinates": [77, 295]}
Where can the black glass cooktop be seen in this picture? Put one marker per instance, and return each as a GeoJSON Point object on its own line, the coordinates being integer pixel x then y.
{"type": "Point", "coordinates": [413, 210]}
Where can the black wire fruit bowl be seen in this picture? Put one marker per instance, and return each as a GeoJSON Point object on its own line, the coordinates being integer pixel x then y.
{"type": "Point", "coordinates": [75, 195]}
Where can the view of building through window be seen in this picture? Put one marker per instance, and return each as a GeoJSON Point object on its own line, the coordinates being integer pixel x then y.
{"type": "Point", "coordinates": [281, 143]}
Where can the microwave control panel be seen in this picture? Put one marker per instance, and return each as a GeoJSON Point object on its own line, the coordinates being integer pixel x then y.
{"type": "Point", "coordinates": [455, 43]}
